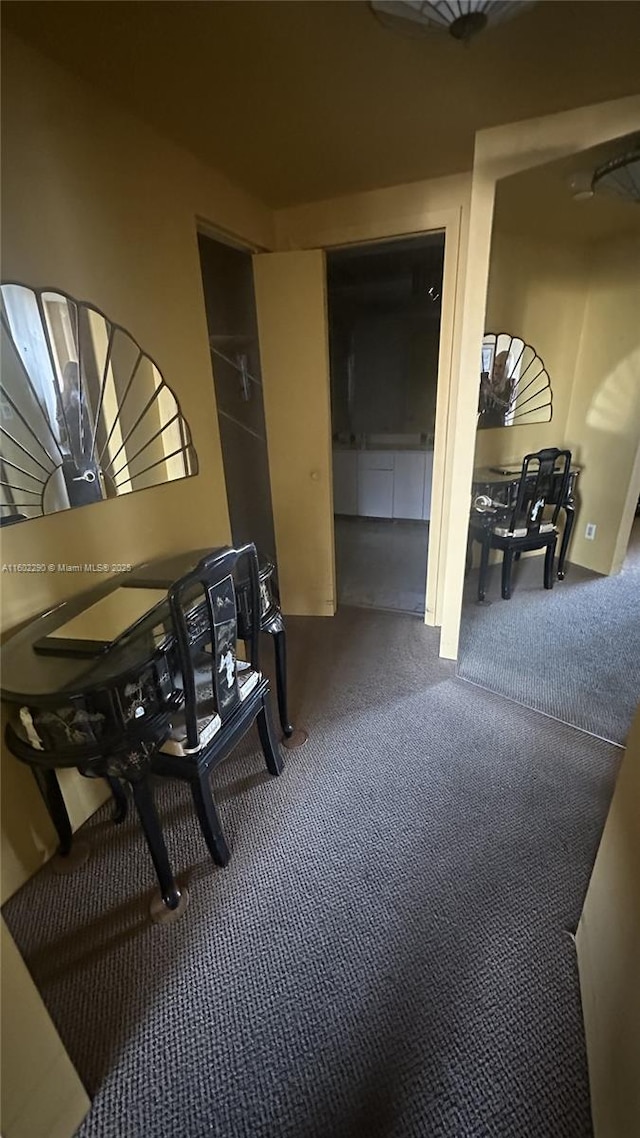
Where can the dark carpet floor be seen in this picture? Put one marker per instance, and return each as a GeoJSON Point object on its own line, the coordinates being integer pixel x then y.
{"type": "Point", "coordinates": [389, 953]}
{"type": "Point", "coordinates": [573, 653]}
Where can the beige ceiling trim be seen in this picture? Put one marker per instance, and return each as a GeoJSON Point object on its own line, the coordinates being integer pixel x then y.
{"type": "Point", "coordinates": [506, 150]}
{"type": "Point", "coordinates": [373, 215]}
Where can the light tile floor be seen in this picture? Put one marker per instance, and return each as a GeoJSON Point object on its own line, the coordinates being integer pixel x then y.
{"type": "Point", "coordinates": [382, 563]}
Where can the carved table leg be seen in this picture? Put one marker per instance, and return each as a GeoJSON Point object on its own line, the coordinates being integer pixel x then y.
{"type": "Point", "coordinates": [120, 799]}
{"type": "Point", "coordinates": [69, 856]}
{"type": "Point", "coordinates": [484, 565]}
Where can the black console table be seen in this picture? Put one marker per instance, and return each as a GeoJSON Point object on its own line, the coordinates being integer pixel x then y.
{"type": "Point", "coordinates": [101, 712]}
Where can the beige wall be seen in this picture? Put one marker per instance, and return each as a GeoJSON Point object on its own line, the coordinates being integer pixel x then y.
{"type": "Point", "coordinates": [608, 946]}
{"type": "Point", "coordinates": [98, 205]}
{"type": "Point", "coordinates": [536, 291]}
{"type": "Point", "coordinates": [42, 1096]}
{"type": "Point", "coordinates": [603, 424]}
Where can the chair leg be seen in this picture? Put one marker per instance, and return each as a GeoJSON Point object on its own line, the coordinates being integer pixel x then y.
{"type": "Point", "coordinates": [209, 820]}
{"type": "Point", "coordinates": [548, 565]}
{"type": "Point", "coordinates": [484, 567]}
{"type": "Point", "coordinates": [507, 562]}
{"type": "Point", "coordinates": [268, 740]}
{"type": "Point", "coordinates": [120, 799]}
{"type": "Point", "coordinates": [143, 798]}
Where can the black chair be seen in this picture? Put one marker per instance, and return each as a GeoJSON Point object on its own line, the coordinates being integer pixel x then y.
{"type": "Point", "coordinates": [522, 526]}
{"type": "Point", "coordinates": [222, 696]}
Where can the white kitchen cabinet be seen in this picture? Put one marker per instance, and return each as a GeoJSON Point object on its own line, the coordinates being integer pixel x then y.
{"type": "Point", "coordinates": [345, 482]}
{"type": "Point", "coordinates": [408, 484]}
{"type": "Point", "coordinates": [375, 459]}
{"type": "Point", "coordinates": [428, 482]}
{"type": "Point", "coordinates": [375, 493]}
{"type": "Point", "coordinates": [383, 483]}
{"type": "Point", "coordinates": [375, 483]}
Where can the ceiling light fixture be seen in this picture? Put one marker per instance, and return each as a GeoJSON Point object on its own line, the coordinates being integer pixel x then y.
{"type": "Point", "coordinates": [619, 177]}
{"type": "Point", "coordinates": [461, 18]}
{"type": "Point", "coordinates": [580, 185]}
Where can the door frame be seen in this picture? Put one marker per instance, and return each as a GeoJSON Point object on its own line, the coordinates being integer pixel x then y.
{"type": "Point", "coordinates": [226, 237]}
{"type": "Point", "coordinates": [419, 222]}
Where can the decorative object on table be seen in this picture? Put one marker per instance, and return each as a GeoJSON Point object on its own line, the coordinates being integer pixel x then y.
{"type": "Point", "coordinates": [460, 18]}
{"type": "Point", "coordinates": [85, 413]}
{"type": "Point", "coordinates": [522, 527]}
{"type": "Point", "coordinates": [514, 383]}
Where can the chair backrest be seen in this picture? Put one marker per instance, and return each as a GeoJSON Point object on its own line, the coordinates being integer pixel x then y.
{"type": "Point", "coordinates": [205, 622]}
{"type": "Point", "coordinates": [544, 480]}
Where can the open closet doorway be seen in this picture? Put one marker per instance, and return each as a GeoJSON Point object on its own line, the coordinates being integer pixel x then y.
{"type": "Point", "coordinates": [227, 276]}
{"type": "Point", "coordinates": [384, 304]}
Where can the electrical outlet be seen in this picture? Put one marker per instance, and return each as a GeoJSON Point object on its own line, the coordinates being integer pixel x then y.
{"type": "Point", "coordinates": [590, 531]}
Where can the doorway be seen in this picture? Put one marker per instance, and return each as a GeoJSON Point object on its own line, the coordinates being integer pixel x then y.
{"type": "Point", "coordinates": [385, 304]}
{"type": "Point", "coordinates": [227, 276]}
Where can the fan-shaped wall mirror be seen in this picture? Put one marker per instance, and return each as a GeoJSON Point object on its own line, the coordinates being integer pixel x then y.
{"type": "Point", "coordinates": [84, 413]}
{"type": "Point", "coordinates": [514, 383]}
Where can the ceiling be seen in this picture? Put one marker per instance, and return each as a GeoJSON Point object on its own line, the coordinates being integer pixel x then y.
{"type": "Point", "coordinates": [297, 101]}
{"type": "Point", "coordinates": [539, 203]}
